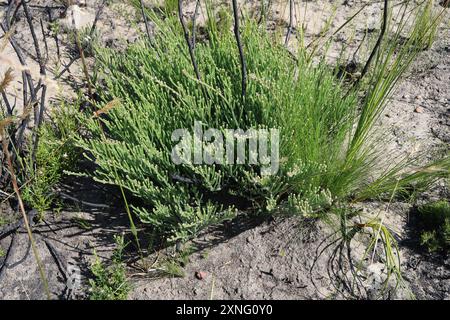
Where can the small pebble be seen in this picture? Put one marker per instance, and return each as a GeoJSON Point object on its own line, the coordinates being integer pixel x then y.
{"type": "Point", "coordinates": [200, 275]}
{"type": "Point", "coordinates": [418, 110]}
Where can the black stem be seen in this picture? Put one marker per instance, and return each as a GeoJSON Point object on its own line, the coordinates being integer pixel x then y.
{"type": "Point", "coordinates": [188, 41]}
{"type": "Point", "coordinates": [241, 50]}
{"type": "Point", "coordinates": [291, 22]}
{"type": "Point", "coordinates": [379, 41]}
{"type": "Point", "coordinates": [147, 28]}
{"type": "Point", "coordinates": [194, 22]}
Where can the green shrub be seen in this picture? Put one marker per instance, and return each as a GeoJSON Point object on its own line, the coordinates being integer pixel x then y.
{"type": "Point", "coordinates": [110, 282]}
{"type": "Point", "coordinates": [434, 225]}
{"type": "Point", "coordinates": [327, 150]}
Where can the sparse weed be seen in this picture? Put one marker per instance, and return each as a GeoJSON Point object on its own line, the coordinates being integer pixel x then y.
{"type": "Point", "coordinates": [173, 265]}
{"type": "Point", "coordinates": [55, 153]}
{"type": "Point", "coordinates": [110, 282]}
{"type": "Point", "coordinates": [82, 223]}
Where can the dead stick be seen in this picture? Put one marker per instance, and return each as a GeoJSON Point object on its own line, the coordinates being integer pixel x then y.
{"type": "Point", "coordinates": [291, 22]}
{"type": "Point", "coordinates": [188, 41]}
{"type": "Point", "coordinates": [378, 44]}
{"type": "Point", "coordinates": [241, 50]}
{"type": "Point", "coordinates": [40, 60]}
{"type": "Point", "coordinates": [194, 22]}
{"type": "Point", "coordinates": [147, 28]}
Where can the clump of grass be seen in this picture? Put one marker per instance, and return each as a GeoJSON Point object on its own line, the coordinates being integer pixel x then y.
{"type": "Point", "coordinates": [110, 282]}
{"type": "Point", "coordinates": [170, 6]}
{"type": "Point", "coordinates": [434, 225]}
{"type": "Point", "coordinates": [328, 149]}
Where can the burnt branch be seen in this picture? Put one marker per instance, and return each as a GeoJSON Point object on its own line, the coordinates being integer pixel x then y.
{"type": "Point", "coordinates": [97, 17]}
{"type": "Point", "coordinates": [194, 22]}
{"type": "Point", "coordinates": [188, 41]}
{"type": "Point", "coordinates": [291, 22]}
{"type": "Point", "coordinates": [147, 28]}
{"type": "Point", "coordinates": [39, 108]}
{"type": "Point", "coordinates": [379, 41]}
{"type": "Point", "coordinates": [241, 50]}
{"type": "Point", "coordinates": [40, 60]}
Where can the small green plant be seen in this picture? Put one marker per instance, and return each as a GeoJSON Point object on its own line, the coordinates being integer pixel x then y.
{"type": "Point", "coordinates": [172, 268]}
{"type": "Point", "coordinates": [3, 221]}
{"type": "Point", "coordinates": [173, 265]}
{"type": "Point", "coordinates": [55, 153]}
{"type": "Point", "coordinates": [2, 252]}
{"type": "Point", "coordinates": [434, 225]}
{"type": "Point", "coordinates": [82, 223]}
{"type": "Point", "coordinates": [110, 282]}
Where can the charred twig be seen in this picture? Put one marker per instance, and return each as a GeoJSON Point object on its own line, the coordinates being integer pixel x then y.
{"type": "Point", "coordinates": [66, 68]}
{"type": "Point", "coordinates": [8, 255]}
{"type": "Point", "coordinates": [188, 41]}
{"type": "Point", "coordinates": [57, 257]}
{"type": "Point", "coordinates": [97, 17]}
{"type": "Point", "coordinates": [22, 60]}
{"type": "Point", "coordinates": [13, 4]}
{"type": "Point", "coordinates": [44, 37]}
{"type": "Point", "coordinates": [54, 35]}
{"type": "Point", "coordinates": [39, 110]}
{"type": "Point", "coordinates": [291, 22]}
{"type": "Point", "coordinates": [9, 109]}
{"type": "Point", "coordinates": [194, 22]}
{"type": "Point", "coordinates": [241, 50]}
{"type": "Point", "coordinates": [378, 43]}
{"type": "Point", "coordinates": [27, 80]}
{"type": "Point", "coordinates": [40, 60]}
{"type": "Point", "coordinates": [22, 126]}
{"type": "Point", "coordinates": [147, 28]}
{"type": "Point", "coordinates": [12, 227]}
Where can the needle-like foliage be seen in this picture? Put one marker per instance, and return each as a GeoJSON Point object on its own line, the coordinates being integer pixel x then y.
{"type": "Point", "coordinates": [326, 151]}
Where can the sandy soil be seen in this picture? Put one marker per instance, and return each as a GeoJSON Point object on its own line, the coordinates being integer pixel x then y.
{"type": "Point", "coordinates": [245, 259]}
